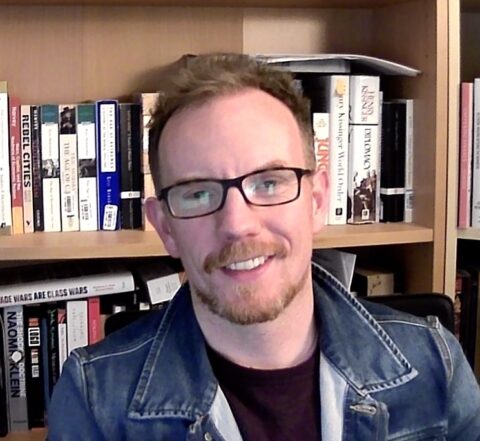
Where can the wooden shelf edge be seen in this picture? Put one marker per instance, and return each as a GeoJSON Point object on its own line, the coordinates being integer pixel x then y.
{"type": "Point", "coordinates": [374, 234]}
{"type": "Point", "coordinates": [105, 244]}
{"type": "Point", "coordinates": [469, 234]}
{"type": "Point", "coordinates": [357, 4]}
{"type": "Point", "coordinates": [32, 435]}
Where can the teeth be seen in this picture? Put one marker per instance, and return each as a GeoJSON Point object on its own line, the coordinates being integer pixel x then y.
{"type": "Point", "coordinates": [246, 265]}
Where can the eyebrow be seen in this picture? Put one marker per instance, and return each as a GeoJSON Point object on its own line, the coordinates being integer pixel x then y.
{"type": "Point", "coordinates": [266, 166]}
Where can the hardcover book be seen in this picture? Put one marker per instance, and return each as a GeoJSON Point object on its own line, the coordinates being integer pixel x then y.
{"type": "Point", "coordinates": [33, 315]}
{"type": "Point", "coordinates": [27, 177]}
{"type": "Point", "coordinates": [68, 167]}
{"type": "Point", "coordinates": [465, 167]}
{"type": "Point", "coordinates": [77, 324]}
{"type": "Point", "coordinates": [108, 164]}
{"type": "Point", "coordinates": [392, 180]}
{"type": "Point", "coordinates": [50, 168]}
{"type": "Point", "coordinates": [87, 167]}
{"type": "Point", "coordinates": [37, 182]}
{"type": "Point", "coordinates": [475, 186]}
{"type": "Point", "coordinates": [16, 379]}
{"type": "Point", "coordinates": [130, 171]}
{"type": "Point", "coordinates": [16, 166]}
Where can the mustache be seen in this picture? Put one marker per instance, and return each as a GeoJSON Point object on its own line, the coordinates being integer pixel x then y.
{"type": "Point", "coordinates": [238, 251]}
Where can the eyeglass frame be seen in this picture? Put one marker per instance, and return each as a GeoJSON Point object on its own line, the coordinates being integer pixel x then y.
{"type": "Point", "coordinates": [237, 183]}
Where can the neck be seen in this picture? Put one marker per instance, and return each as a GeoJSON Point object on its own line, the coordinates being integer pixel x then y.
{"type": "Point", "coordinates": [284, 342]}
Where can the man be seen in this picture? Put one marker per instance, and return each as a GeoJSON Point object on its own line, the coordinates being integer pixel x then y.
{"type": "Point", "coordinates": [261, 345]}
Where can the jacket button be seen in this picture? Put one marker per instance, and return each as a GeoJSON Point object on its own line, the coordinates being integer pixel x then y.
{"type": "Point", "coordinates": [207, 436]}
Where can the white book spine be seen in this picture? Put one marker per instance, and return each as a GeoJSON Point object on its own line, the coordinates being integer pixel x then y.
{"type": "Point", "coordinates": [475, 213]}
{"type": "Point", "coordinates": [364, 99]}
{"type": "Point", "coordinates": [25, 132]}
{"type": "Point", "coordinates": [77, 324]}
{"type": "Point", "coordinates": [66, 289]}
{"type": "Point", "coordinates": [51, 168]}
{"type": "Point", "coordinates": [62, 344]}
{"type": "Point", "coordinates": [87, 166]}
{"type": "Point", "coordinates": [68, 168]}
{"type": "Point", "coordinates": [363, 173]}
{"type": "Point", "coordinates": [338, 104]}
{"type": "Point", "coordinates": [5, 194]}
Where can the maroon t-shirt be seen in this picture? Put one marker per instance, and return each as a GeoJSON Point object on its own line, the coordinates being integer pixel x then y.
{"type": "Point", "coordinates": [272, 405]}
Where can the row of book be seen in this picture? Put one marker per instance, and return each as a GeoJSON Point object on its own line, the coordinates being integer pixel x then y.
{"type": "Point", "coordinates": [469, 155]}
{"type": "Point", "coordinates": [73, 167]}
{"type": "Point", "coordinates": [366, 144]}
{"type": "Point", "coordinates": [49, 310]}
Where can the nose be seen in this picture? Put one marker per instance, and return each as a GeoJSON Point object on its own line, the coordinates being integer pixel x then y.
{"type": "Point", "coordinates": [237, 218]}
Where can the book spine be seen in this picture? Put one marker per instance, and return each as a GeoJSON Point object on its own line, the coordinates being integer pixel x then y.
{"type": "Point", "coordinates": [50, 168]}
{"type": "Point", "coordinates": [108, 165]}
{"type": "Point", "coordinates": [87, 167]}
{"type": "Point", "coordinates": [52, 346]}
{"type": "Point", "coordinates": [62, 336]}
{"type": "Point", "coordinates": [475, 205]}
{"type": "Point", "coordinates": [65, 289]}
{"type": "Point", "coordinates": [33, 357]}
{"type": "Point", "coordinates": [465, 170]}
{"type": "Point", "coordinates": [338, 104]}
{"type": "Point", "coordinates": [17, 391]}
{"type": "Point", "coordinates": [77, 324]}
{"type": "Point", "coordinates": [147, 101]}
{"type": "Point", "coordinates": [27, 178]}
{"type": "Point", "coordinates": [68, 167]}
{"type": "Point", "coordinates": [16, 166]}
{"type": "Point", "coordinates": [409, 158]}
{"type": "Point", "coordinates": [321, 139]}
{"type": "Point", "coordinates": [4, 418]}
{"type": "Point", "coordinates": [130, 171]}
{"type": "Point", "coordinates": [392, 181]}
{"type": "Point", "coordinates": [364, 99]}
{"type": "Point", "coordinates": [95, 333]}
{"type": "Point", "coordinates": [363, 181]}
{"type": "Point", "coordinates": [36, 140]}
{"type": "Point", "coordinates": [5, 195]}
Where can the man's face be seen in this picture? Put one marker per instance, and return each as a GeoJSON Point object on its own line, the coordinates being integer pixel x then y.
{"type": "Point", "coordinates": [245, 263]}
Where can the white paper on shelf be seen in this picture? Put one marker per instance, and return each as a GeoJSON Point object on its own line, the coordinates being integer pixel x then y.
{"type": "Point", "coordinates": [314, 62]}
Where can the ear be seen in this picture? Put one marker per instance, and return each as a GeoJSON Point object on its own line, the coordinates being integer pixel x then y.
{"type": "Point", "coordinates": [160, 220]}
{"type": "Point", "coordinates": [320, 199]}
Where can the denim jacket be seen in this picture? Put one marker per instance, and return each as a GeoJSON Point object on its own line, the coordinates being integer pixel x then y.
{"type": "Point", "coordinates": [383, 376]}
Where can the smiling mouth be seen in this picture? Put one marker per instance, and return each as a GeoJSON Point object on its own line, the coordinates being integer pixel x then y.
{"type": "Point", "coordinates": [246, 265]}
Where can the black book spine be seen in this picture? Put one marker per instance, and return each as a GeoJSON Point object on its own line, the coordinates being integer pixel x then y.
{"type": "Point", "coordinates": [393, 149]}
{"type": "Point", "coordinates": [130, 169]}
{"type": "Point", "coordinates": [33, 358]}
{"type": "Point", "coordinates": [38, 216]}
{"type": "Point", "coordinates": [3, 381]}
{"type": "Point", "coordinates": [52, 335]}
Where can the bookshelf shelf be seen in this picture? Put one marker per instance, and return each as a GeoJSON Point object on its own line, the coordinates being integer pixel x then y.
{"type": "Point", "coordinates": [32, 435]}
{"type": "Point", "coordinates": [469, 234]}
{"type": "Point", "coordinates": [218, 3]}
{"type": "Point", "coordinates": [102, 244]}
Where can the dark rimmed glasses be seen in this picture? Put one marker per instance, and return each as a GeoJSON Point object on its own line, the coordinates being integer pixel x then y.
{"type": "Point", "coordinates": [263, 188]}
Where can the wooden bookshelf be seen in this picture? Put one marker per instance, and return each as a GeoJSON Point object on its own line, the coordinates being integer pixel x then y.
{"type": "Point", "coordinates": [105, 244]}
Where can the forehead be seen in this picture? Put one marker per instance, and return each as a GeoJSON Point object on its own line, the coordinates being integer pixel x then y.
{"type": "Point", "coordinates": [229, 136]}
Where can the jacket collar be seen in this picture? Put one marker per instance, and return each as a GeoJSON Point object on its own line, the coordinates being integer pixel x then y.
{"type": "Point", "coordinates": [353, 341]}
{"type": "Point", "coordinates": [177, 380]}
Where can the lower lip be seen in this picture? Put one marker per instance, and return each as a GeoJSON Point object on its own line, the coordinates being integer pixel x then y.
{"type": "Point", "coordinates": [247, 275]}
